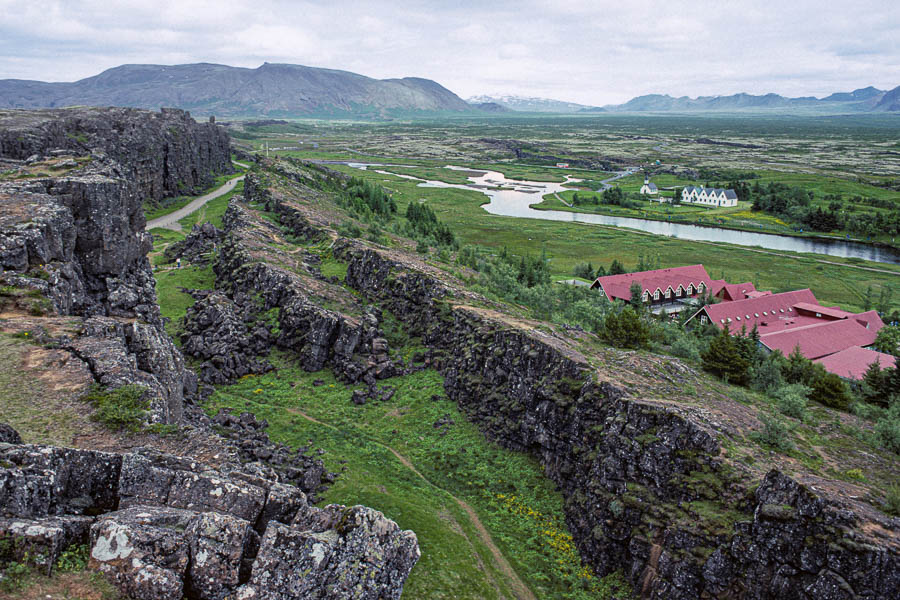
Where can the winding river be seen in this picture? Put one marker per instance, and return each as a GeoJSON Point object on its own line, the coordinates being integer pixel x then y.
{"type": "Point", "coordinates": [512, 198]}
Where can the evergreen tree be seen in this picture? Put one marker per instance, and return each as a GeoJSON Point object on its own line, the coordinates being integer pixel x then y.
{"type": "Point", "coordinates": [830, 390]}
{"type": "Point", "coordinates": [723, 358]}
{"type": "Point", "coordinates": [637, 300]}
{"type": "Point", "coordinates": [616, 268]}
{"type": "Point", "coordinates": [626, 329]}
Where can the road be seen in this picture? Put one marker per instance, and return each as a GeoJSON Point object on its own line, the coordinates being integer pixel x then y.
{"type": "Point", "coordinates": [605, 184]}
{"type": "Point", "coordinates": [170, 221]}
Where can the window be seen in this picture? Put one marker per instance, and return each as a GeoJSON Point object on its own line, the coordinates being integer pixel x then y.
{"type": "Point", "coordinates": [656, 295]}
{"type": "Point", "coordinates": [690, 290]}
{"type": "Point", "coordinates": [703, 319]}
{"type": "Point", "coordinates": [646, 296]}
{"type": "Point", "coordinates": [668, 292]}
{"type": "Point", "coordinates": [738, 318]}
{"type": "Point", "coordinates": [781, 310]}
{"type": "Point", "coordinates": [765, 313]}
{"type": "Point", "coordinates": [756, 315]}
{"type": "Point", "coordinates": [700, 288]}
{"type": "Point", "coordinates": [723, 321]}
{"type": "Point", "coordinates": [748, 316]}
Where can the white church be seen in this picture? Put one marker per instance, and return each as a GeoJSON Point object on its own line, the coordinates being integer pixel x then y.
{"type": "Point", "coordinates": [708, 196]}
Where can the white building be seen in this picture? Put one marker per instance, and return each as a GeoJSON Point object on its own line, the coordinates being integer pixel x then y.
{"type": "Point", "coordinates": [708, 196]}
{"type": "Point", "coordinates": [649, 189]}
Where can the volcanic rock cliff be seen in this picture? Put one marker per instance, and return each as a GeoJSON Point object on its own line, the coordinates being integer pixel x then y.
{"type": "Point", "coordinates": [77, 283]}
{"type": "Point", "coordinates": [649, 485]}
{"type": "Point", "coordinates": [163, 153]}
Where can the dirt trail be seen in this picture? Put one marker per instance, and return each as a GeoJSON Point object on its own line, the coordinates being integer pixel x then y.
{"type": "Point", "coordinates": [522, 591]}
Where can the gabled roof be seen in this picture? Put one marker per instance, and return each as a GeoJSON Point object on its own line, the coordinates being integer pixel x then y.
{"type": "Point", "coordinates": [737, 291]}
{"type": "Point", "coordinates": [853, 362]}
{"type": "Point", "coordinates": [619, 286]}
{"type": "Point", "coordinates": [652, 186]}
{"type": "Point", "coordinates": [770, 309]}
{"type": "Point", "coordinates": [831, 313]}
{"type": "Point", "coordinates": [870, 319]}
{"type": "Point", "coordinates": [731, 195]}
{"type": "Point", "coordinates": [819, 339]}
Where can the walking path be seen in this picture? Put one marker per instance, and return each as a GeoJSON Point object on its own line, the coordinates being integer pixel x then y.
{"type": "Point", "coordinates": [170, 221]}
{"type": "Point", "coordinates": [522, 591]}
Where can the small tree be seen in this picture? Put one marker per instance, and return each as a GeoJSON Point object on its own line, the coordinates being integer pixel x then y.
{"type": "Point", "coordinates": [626, 329]}
{"type": "Point", "coordinates": [723, 358]}
{"type": "Point", "coordinates": [616, 268]}
{"type": "Point", "coordinates": [637, 295]}
{"type": "Point", "coordinates": [830, 390]}
{"type": "Point", "coordinates": [888, 340]}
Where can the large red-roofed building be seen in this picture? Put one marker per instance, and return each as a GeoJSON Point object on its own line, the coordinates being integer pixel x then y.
{"type": "Point", "coordinates": [661, 285]}
{"type": "Point", "coordinates": [796, 320]}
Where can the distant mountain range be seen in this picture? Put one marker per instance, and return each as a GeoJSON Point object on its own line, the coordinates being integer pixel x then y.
{"type": "Point", "coordinates": [270, 90]}
{"type": "Point", "coordinates": [530, 104]}
{"type": "Point", "coordinates": [283, 90]}
{"type": "Point", "coordinates": [868, 99]}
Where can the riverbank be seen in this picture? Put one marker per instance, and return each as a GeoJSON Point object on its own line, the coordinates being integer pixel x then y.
{"type": "Point", "coordinates": [715, 219]}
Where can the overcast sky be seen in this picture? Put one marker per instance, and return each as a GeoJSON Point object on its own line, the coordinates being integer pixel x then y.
{"type": "Point", "coordinates": [592, 52]}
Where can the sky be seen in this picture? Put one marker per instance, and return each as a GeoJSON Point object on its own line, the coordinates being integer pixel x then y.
{"type": "Point", "coordinates": [590, 52]}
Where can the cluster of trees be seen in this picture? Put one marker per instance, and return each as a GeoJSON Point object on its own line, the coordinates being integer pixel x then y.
{"type": "Point", "coordinates": [613, 196]}
{"type": "Point", "coordinates": [365, 199]}
{"type": "Point", "coordinates": [426, 226]}
{"type": "Point", "coordinates": [796, 204]}
{"type": "Point", "coordinates": [645, 263]}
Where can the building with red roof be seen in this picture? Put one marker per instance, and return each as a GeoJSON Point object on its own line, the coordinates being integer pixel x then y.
{"type": "Point", "coordinates": [853, 362]}
{"type": "Point", "coordinates": [735, 291]}
{"type": "Point", "coordinates": [661, 286]}
{"type": "Point", "coordinates": [796, 320]}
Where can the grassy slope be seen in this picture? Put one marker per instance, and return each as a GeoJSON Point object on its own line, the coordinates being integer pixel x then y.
{"type": "Point", "coordinates": [459, 464]}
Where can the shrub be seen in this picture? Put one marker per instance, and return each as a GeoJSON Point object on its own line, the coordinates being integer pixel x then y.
{"type": "Point", "coordinates": [774, 434]}
{"type": "Point", "coordinates": [887, 429]}
{"type": "Point", "coordinates": [893, 500]}
{"type": "Point", "coordinates": [626, 329]}
{"type": "Point", "coordinates": [349, 229]}
{"type": "Point", "coordinates": [122, 408]}
{"type": "Point", "coordinates": [830, 390]}
{"type": "Point", "coordinates": [687, 346]}
{"type": "Point", "coordinates": [791, 400]}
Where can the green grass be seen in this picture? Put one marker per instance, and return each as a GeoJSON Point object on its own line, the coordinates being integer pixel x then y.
{"type": "Point", "coordinates": [173, 302]}
{"type": "Point", "coordinates": [507, 489]}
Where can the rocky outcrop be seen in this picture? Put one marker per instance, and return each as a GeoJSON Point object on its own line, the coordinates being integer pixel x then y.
{"type": "Point", "coordinates": [164, 153]}
{"type": "Point", "coordinates": [163, 527]}
{"type": "Point", "coordinates": [218, 335]}
{"type": "Point", "coordinates": [197, 247]}
{"type": "Point", "coordinates": [252, 292]}
{"type": "Point", "coordinates": [646, 490]}
{"type": "Point", "coordinates": [78, 238]}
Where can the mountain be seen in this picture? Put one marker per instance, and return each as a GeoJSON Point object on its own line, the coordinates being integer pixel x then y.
{"type": "Point", "coordinates": [890, 101]}
{"type": "Point", "coordinates": [271, 89]}
{"type": "Point", "coordinates": [860, 94]}
{"type": "Point", "coordinates": [529, 104]}
{"type": "Point", "coordinates": [861, 100]}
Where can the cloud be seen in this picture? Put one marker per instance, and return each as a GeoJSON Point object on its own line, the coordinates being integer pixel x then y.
{"type": "Point", "coordinates": [588, 51]}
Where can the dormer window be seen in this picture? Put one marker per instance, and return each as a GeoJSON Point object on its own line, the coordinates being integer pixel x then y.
{"type": "Point", "coordinates": [756, 315]}
{"type": "Point", "coordinates": [656, 295]}
{"type": "Point", "coordinates": [738, 318]}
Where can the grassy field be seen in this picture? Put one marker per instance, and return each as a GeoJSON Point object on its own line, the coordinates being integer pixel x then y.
{"type": "Point", "coordinates": [834, 280]}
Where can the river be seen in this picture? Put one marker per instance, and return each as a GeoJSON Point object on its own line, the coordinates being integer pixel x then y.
{"type": "Point", "coordinates": [512, 198]}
